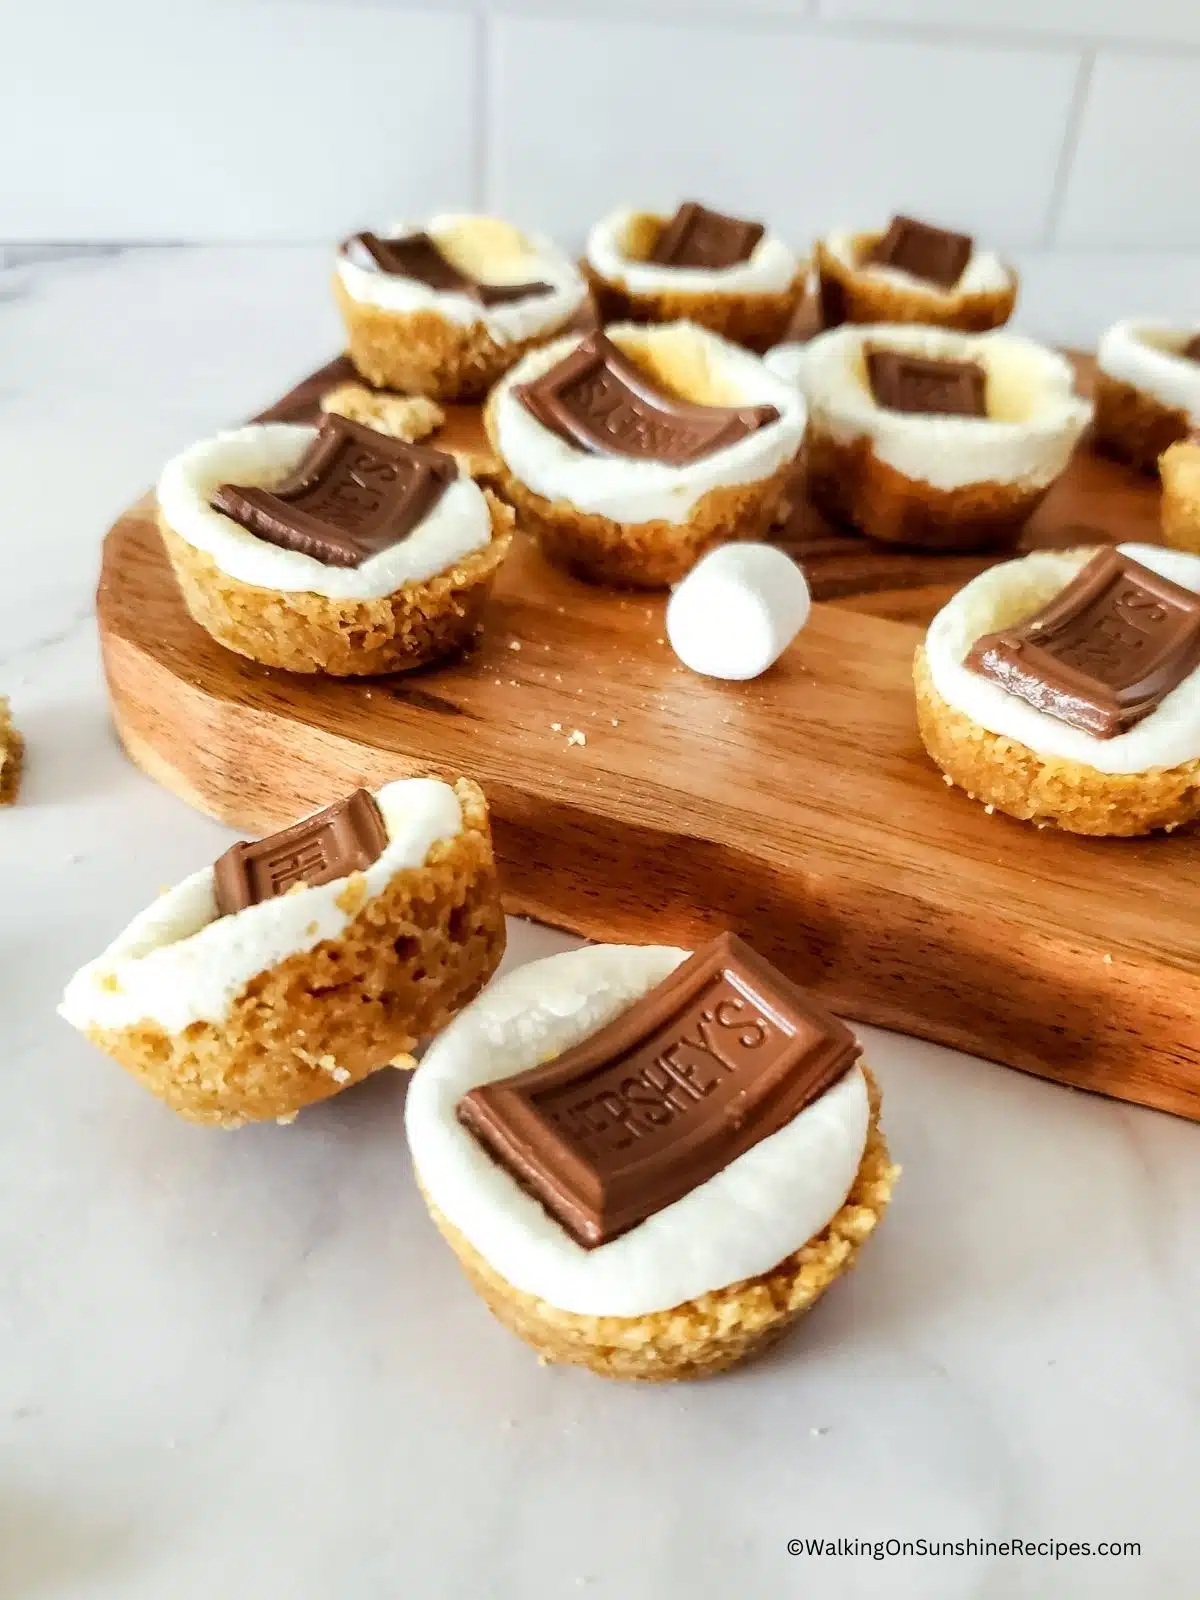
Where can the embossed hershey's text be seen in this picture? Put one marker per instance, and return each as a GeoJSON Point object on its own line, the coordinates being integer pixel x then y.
{"type": "Point", "coordinates": [693, 1069]}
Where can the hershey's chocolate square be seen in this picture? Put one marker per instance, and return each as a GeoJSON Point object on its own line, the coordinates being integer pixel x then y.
{"type": "Point", "coordinates": [1191, 350]}
{"type": "Point", "coordinates": [418, 256]}
{"type": "Point", "coordinates": [934, 254]}
{"type": "Point", "coordinates": [353, 493]}
{"type": "Point", "coordinates": [597, 399]}
{"type": "Point", "coordinates": [721, 1055]}
{"type": "Point", "coordinates": [1104, 653]}
{"type": "Point", "coordinates": [905, 382]}
{"type": "Point", "coordinates": [346, 837]}
{"type": "Point", "coordinates": [697, 237]}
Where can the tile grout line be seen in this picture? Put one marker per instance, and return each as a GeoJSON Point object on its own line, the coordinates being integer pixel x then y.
{"type": "Point", "coordinates": [482, 111]}
{"type": "Point", "coordinates": [1070, 147]}
{"type": "Point", "coordinates": [813, 19]}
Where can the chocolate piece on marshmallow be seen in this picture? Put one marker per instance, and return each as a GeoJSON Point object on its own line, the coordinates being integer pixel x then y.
{"type": "Point", "coordinates": [737, 611]}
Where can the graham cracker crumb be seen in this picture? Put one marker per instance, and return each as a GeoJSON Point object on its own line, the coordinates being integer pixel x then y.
{"type": "Point", "coordinates": [407, 417]}
{"type": "Point", "coordinates": [354, 896]}
{"type": "Point", "coordinates": [575, 737]}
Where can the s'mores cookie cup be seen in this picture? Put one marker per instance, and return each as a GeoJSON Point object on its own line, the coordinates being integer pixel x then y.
{"type": "Point", "coordinates": [931, 438]}
{"type": "Point", "coordinates": [1179, 468]}
{"type": "Point", "coordinates": [304, 962]}
{"type": "Point", "coordinates": [728, 275]}
{"type": "Point", "coordinates": [912, 272]}
{"type": "Point", "coordinates": [649, 1164]}
{"type": "Point", "coordinates": [1064, 688]}
{"type": "Point", "coordinates": [444, 308]}
{"type": "Point", "coordinates": [631, 452]}
{"type": "Point", "coordinates": [1147, 390]}
{"type": "Point", "coordinates": [336, 550]}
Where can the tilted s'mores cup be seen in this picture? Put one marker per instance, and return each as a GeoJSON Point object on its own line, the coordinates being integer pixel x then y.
{"type": "Point", "coordinates": [306, 961]}
{"type": "Point", "coordinates": [631, 452]}
{"type": "Point", "coordinates": [1147, 389]}
{"type": "Point", "coordinates": [1065, 688]}
{"type": "Point", "coordinates": [931, 438]}
{"type": "Point", "coordinates": [649, 1165]}
{"type": "Point", "coordinates": [339, 550]}
{"type": "Point", "coordinates": [913, 272]}
{"type": "Point", "coordinates": [445, 308]}
{"type": "Point", "coordinates": [728, 275]}
{"type": "Point", "coordinates": [1179, 468]}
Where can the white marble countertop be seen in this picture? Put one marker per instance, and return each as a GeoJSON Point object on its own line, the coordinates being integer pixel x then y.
{"type": "Point", "coordinates": [245, 1366]}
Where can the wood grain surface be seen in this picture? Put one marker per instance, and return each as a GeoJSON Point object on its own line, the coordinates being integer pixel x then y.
{"type": "Point", "coordinates": [798, 810]}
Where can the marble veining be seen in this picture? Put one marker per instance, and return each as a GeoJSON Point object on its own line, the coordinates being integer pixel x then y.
{"type": "Point", "coordinates": [244, 1365]}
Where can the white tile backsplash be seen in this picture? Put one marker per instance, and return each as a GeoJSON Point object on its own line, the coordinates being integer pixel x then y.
{"type": "Point", "coordinates": [1064, 130]}
{"type": "Point", "coordinates": [201, 121]}
{"type": "Point", "coordinates": [1148, 20]}
{"type": "Point", "coordinates": [801, 128]}
{"type": "Point", "coordinates": [1133, 181]}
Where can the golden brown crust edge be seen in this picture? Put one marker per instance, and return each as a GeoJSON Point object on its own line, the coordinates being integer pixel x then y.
{"type": "Point", "coordinates": [420, 352]}
{"type": "Point", "coordinates": [640, 555]}
{"type": "Point", "coordinates": [302, 632]}
{"type": "Point", "coordinates": [408, 959]}
{"type": "Point", "coordinates": [715, 1331]}
{"type": "Point", "coordinates": [851, 296]}
{"type": "Point", "coordinates": [756, 321]}
{"type": "Point", "coordinates": [1048, 790]}
{"type": "Point", "coordinates": [851, 484]}
{"type": "Point", "coordinates": [1133, 426]}
{"type": "Point", "coordinates": [1179, 467]}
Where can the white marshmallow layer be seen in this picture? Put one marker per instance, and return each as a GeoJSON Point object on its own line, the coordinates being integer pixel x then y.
{"type": "Point", "coordinates": [1145, 354]}
{"type": "Point", "coordinates": [632, 491]}
{"type": "Point", "coordinates": [1034, 416]}
{"type": "Point", "coordinates": [261, 456]}
{"type": "Point", "coordinates": [769, 269]}
{"type": "Point", "coordinates": [984, 272]}
{"type": "Point", "coordinates": [492, 251]}
{"type": "Point", "coordinates": [1006, 595]}
{"type": "Point", "coordinates": [178, 962]}
{"type": "Point", "coordinates": [742, 1222]}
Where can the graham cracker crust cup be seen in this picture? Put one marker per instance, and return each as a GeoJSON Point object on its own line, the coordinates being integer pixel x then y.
{"type": "Point", "coordinates": [300, 631]}
{"type": "Point", "coordinates": [1133, 426]}
{"type": "Point", "coordinates": [757, 320]}
{"type": "Point", "coordinates": [930, 480]}
{"type": "Point", "coordinates": [709, 1334]}
{"type": "Point", "coordinates": [423, 353]}
{"type": "Point", "coordinates": [643, 555]}
{"type": "Point", "coordinates": [849, 482]}
{"type": "Point", "coordinates": [1179, 468]}
{"type": "Point", "coordinates": [12, 754]}
{"type": "Point", "coordinates": [1049, 790]}
{"type": "Point", "coordinates": [319, 1021]}
{"type": "Point", "coordinates": [848, 294]}
{"type": "Point", "coordinates": [592, 513]}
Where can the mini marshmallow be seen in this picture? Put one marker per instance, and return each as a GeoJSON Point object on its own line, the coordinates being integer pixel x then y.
{"type": "Point", "coordinates": [737, 611]}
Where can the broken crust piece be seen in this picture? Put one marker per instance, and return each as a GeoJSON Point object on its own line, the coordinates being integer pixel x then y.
{"type": "Point", "coordinates": [353, 973]}
{"type": "Point", "coordinates": [407, 417]}
{"type": "Point", "coordinates": [12, 751]}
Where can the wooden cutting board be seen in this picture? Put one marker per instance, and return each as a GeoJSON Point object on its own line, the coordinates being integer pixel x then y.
{"type": "Point", "coordinates": [799, 810]}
